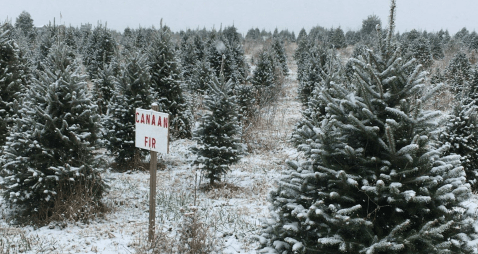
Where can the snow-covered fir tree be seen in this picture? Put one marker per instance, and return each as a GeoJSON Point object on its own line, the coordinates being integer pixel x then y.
{"type": "Point", "coordinates": [458, 72]}
{"type": "Point", "coordinates": [50, 147]}
{"type": "Point", "coordinates": [24, 25]}
{"type": "Point", "coordinates": [13, 80]}
{"type": "Point", "coordinates": [315, 108]}
{"type": "Point", "coordinates": [264, 78]}
{"type": "Point", "coordinates": [436, 47]}
{"type": "Point", "coordinates": [420, 50]}
{"type": "Point", "coordinates": [132, 90]}
{"type": "Point", "coordinates": [46, 40]}
{"type": "Point", "coordinates": [301, 56]}
{"type": "Point", "coordinates": [280, 56]}
{"type": "Point", "coordinates": [104, 86]}
{"type": "Point", "coordinates": [166, 83]}
{"type": "Point", "coordinates": [230, 46]}
{"type": "Point", "coordinates": [374, 179]}
{"type": "Point", "coordinates": [461, 131]}
{"type": "Point", "coordinates": [99, 51]}
{"type": "Point", "coordinates": [337, 38]}
{"type": "Point", "coordinates": [311, 68]}
{"type": "Point", "coordinates": [71, 37]}
{"type": "Point", "coordinates": [302, 35]}
{"type": "Point", "coordinates": [201, 77]}
{"type": "Point", "coordinates": [188, 58]}
{"type": "Point", "coordinates": [218, 134]}
{"type": "Point", "coordinates": [246, 101]}
{"type": "Point", "coordinates": [215, 48]}
{"type": "Point", "coordinates": [199, 47]}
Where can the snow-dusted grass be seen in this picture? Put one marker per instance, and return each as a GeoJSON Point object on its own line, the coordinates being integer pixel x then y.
{"type": "Point", "coordinates": [231, 213]}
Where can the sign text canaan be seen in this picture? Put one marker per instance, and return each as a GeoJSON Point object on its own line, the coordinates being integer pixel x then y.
{"type": "Point", "coordinates": [152, 130]}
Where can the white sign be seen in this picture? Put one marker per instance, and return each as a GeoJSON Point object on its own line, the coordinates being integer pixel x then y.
{"type": "Point", "coordinates": [152, 130]}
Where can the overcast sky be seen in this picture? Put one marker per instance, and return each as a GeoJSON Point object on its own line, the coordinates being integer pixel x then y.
{"type": "Point", "coordinates": [430, 15]}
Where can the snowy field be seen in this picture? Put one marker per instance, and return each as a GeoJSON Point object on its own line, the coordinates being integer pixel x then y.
{"type": "Point", "coordinates": [232, 214]}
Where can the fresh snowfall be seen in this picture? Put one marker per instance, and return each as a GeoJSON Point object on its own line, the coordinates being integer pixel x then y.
{"type": "Point", "coordinates": [327, 141]}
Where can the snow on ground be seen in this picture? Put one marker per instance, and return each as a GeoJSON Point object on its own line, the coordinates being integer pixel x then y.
{"type": "Point", "coordinates": [232, 214]}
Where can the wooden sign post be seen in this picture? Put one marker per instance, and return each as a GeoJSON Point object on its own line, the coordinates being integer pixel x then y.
{"type": "Point", "coordinates": [152, 133]}
{"type": "Point", "coordinates": [153, 167]}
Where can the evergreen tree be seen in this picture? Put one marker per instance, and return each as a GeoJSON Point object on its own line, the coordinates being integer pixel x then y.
{"type": "Point", "coordinates": [217, 135]}
{"type": "Point", "coordinates": [461, 134]}
{"type": "Point", "coordinates": [231, 35]}
{"type": "Point", "coordinates": [246, 101]}
{"type": "Point", "coordinates": [461, 131]}
{"type": "Point", "coordinates": [13, 78]}
{"type": "Point", "coordinates": [50, 148]}
{"type": "Point", "coordinates": [24, 24]}
{"type": "Point", "coordinates": [47, 40]}
{"type": "Point", "coordinates": [302, 35]}
{"type": "Point", "coordinates": [436, 48]}
{"type": "Point", "coordinates": [235, 67]}
{"type": "Point", "coordinates": [188, 58]}
{"type": "Point", "coordinates": [311, 72]}
{"type": "Point", "coordinates": [352, 37]}
{"type": "Point", "coordinates": [413, 35]}
{"type": "Point", "coordinates": [166, 83]}
{"type": "Point", "coordinates": [231, 68]}
{"type": "Point", "coordinates": [70, 38]}
{"type": "Point", "coordinates": [276, 33]}
{"type": "Point", "coordinates": [301, 56]}
{"type": "Point", "coordinates": [374, 180]}
{"type": "Point", "coordinates": [473, 41]}
{"type": "Point", "coordinates": [280, 56]}
{"type": "Point", "coordinates": [331, 71]}
{"type": "Point", "coordinates": [202, 76]}
{"type": "Point", "coordinates": [253, 34]}
{"type": "Point", "coordinates": [420, 50]}
{"type": "Point", "coordinates": [263, 79]}
{"type": "Point", "coordinates": [444, 36]}
{"type": "Point", "coordinates": [199, 48]}
{"type": "Point", "coordinates": [437, 77]}
{"type": "Point", "coordinates": [458, 72]}
{"type": "Point", "coordinates": [337, 38]}
{"type": "Point", "coordinates": [100, 50]}
{"type": "Point", "coordinates": [104, 86]}
{"type": "Point", "coordinates": [369, 26]}
{"type": "Point", "coordinates": [133, 90]}
{"type": "Point", "coordinates": [141, 41]}
{"type": "Point", "coordinates": [462, 34]}
{"type": "Point", "coordinates": [215, 49]}
{"type": "Point", "coordinates": [128, 39]}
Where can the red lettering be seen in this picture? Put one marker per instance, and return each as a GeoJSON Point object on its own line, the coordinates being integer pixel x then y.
{"type": "Point", "coordinates": [159, 122]}
{"type": "Point", "coordinates": [145, 141]}
{"type": "Point", "coordinates": [148, 119]}
{"type": "Point", "coordinates": [154, 143]}
{"type": "Point", "coordinates": [165, 121]}
{"type": "Point", "coordinates": [153, 121]}
{"type": "Point", "coordinates": [142, 118]}
{"type": "Point", "coordinates": [137, 113]}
